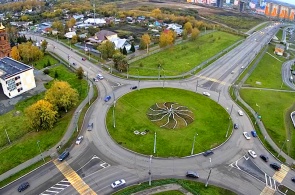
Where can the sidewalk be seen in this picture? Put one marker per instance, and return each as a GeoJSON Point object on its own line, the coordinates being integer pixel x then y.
{"type": "Point", "coordinates": [52, 152]}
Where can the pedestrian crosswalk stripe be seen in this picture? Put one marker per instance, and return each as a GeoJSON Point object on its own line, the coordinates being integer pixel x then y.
{"type": "Point", "coordinates": [280, 175]}
{"type": "Point", "coordinates": [267, 191]}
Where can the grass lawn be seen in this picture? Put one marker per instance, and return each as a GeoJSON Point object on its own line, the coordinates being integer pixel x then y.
{"type": "Point", "coordinates": [171, 192]}
{"type": "Point", "coordinates": [273, 109]}
{"type": "Point", "coordinates": [191, 186]}
{"type": "Point", "coordinates": [211, 122]}
{"type": "Point", "coordinates": [183, 57]}
{"type": "Point", "coordinates": [24, 141]}
{"type": "Point", "coordinates": [40, 64]}
{"type": "Point", "coordinates": [268, 72]}
{"type": "Point", "coordinates": [280, 34]}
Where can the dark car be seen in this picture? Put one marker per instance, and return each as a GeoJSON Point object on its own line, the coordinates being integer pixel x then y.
{"type": "Point", "coordinates": [208, 153]}
{"type": "Point", "coordinates": [264, 158]}
{"type": "Point", "coordinates": [236, 126]}
{"type": "Point", "coordinates": [23, 186]}
{"type": "Point", "coordinates": [74, 64]}
{"type": "Point", "coordinates": [106, 99]}
{"type": "Point", "coordinates": [84, 59]}
{"type": "Point", "coordinates": [133, 87]}
{"type": "Point", "coordinates": [254, 134]}
{"type": "Point", "coordinates": [192, 174]}
{"type": "Point", "coordinates": [275, 166]}
{"type": "Point", "coordinates": [293, 179]}
{"type": "Point", "coordinates": [64, 155]}
{"type": "Point", "coordinates": [90, 127]}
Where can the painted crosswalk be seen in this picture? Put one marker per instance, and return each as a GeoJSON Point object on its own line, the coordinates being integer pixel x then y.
{"type": "Point", "coordinates": [280, 175]}
{"type": "Point", "coordinates": [57, 188]}
{"type": "Point", "coordinates": [267, 191]}
{"type": "Point", "coordinates": [270, 182]}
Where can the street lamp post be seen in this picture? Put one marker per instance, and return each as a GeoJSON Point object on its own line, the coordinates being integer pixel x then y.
{"type": "Point", "coordinates": [155, 142]}
{"type": "Point", "coordinates": [228, 128]}
{"type": "Point", "coordinates": [193, 148]}
{"type": "Point", "coordinates": [197, 85]}
{"type": "Point", "coordinates": [7, 136]}
{"type": "Point", "coordinates": [282, 147]}
{"type": "Point", "coordinates": [218, 96]}
{"type": "Point", "coordinates": [138, 79]}
{"type": "Point", "coordinates": [207, 181]}
{"type": "Point", "coordinates": [150, 172]}
{"type": "Point", "coordinates": [164, 77]}
{"type": "Point", "coordinates": [114, 118]}
{"type": "Point", "coordinates": [40, 150]}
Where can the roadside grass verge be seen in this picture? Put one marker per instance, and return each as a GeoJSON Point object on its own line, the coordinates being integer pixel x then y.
{"type": "Point", "coordinates": [191, 186]}
{"type": "Point", "coordinates": [42, 63]}
{"type": "Point", "coordinates": [211, 123]}
{"type": "Point", "coordinates": [267, 72]}
{"type": "Point", "coordinates": [279, 34]}
{"type": "Point", "coordinates": [170, 192]}
{"type": "Point", "coordinates": [273, 107]}
{"type": "Point", "coordinates": [183, 57]}
{"type": "Point", "coordinates": [24, 140]}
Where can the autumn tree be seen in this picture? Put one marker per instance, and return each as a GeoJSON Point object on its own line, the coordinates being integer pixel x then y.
{"type": "Point", "coordinates": [28, 52]}
{"type": "Point", "coordinates": [74, 39]}
{"type": "Point", "coordinates": [80, 72]}
{"type": "Point", "coordinates": [71, 23]}
{"type": "Point", "coordinates": [62, 96]}
{"type": "Point", "coordinates": [157, 13]}
{"type": "Point", "coordinates": [145, 41]}
{"type": "Point", "coordinates": [120, 62]}
{"type": "Point", "coordinates": [188, 27]}
{"type": "Point", "coordinates": [195, 34]}
{"type": "Point", "coordinates": [57, 25]}
{"type": "Point", "coordinates": [184, 34]}
{"type": "Point", "coordinates": [107, 49]}
{"type": "Point", "coordinates": [15, 53]}
{"type": "Point", "coordinates": [44, 45]}
{"type": "Point", "coordinates": [41, 115]}
{"type": "Point", "coordinates": [166, 38]}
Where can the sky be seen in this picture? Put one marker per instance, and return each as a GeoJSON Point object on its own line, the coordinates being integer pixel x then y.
{"type": "Point", "coordinates": [289, 1]}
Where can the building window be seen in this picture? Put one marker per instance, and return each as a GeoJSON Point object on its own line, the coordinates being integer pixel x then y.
{"type": "Point", "coordinates": [11, 85]}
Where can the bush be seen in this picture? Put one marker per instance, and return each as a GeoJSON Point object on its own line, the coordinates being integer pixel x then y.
{"type": "Point", "coordinates": [46, 71]}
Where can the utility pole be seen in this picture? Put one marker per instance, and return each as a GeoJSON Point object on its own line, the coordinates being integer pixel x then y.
{"type": "Point", "coordinates": [88, 89]}
{"type": "Point", "coordinates": [155, 142]}
{"type": "Point", "coordinates": [114, 118]}
{"type": "Point", "coordinates": [193, 148]}
{"type": "Point", "coordinates": [40, 150]}
{"type": "Point", "coordinates": [228, 128]}
{"type": "Point", "coordinates": [207, 181]}
{"type": "Point", "coordinates": [231, 109]}
{"type": "Point", "coordinates": [197, 85]}
{"type": "Point", "coordinates": [150, 172]}
{"type": "Point", "coordinates": [218, 96]}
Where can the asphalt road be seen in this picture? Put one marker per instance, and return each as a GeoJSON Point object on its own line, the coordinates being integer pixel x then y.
{"type": "Point", "coordinates": [134, 168]}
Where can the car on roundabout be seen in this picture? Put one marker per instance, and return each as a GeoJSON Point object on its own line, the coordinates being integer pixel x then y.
{"type": "Point", "coordinates": [236, 126]}
{"type": "Point", "coordinates": [79, 140]}
{"type": "Point", "coordinates": [275, 166]}
{"type": "Point", "coordinates": [118, 183]}
{"type": "Point", "coordinates": [107, 98]}
{"type": "Point", "coordinates": [240, 112]}
{"type": "Point", "coordinates": [133, 87]}
{"type": "Point", "coordinates": [23, 186]}
{"type": "Point", "coordinates": [252, 153]}
{"type": "Point", "coordinates": [192, 174]}
{"type": "Point", "coordinates": [208, 153]}
{"type": "Point", "coordinates": [264, 157]}
{"type": "Point", "coordinates": [246, 135]}
{"type": "Point", "coordinates": [205, 93]}
{"type": "Point", "coordinates": [254, 134]}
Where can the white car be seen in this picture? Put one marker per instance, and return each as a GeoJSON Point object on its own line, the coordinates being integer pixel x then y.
{"type": "Point", "coordinates": [240, 112]}
{"type": "Point", "coordinates": [118, 183]}
{"type": "Point", "coordinates": [252, 153]}
{"type": "Point", "coordinates": [247, 136]}
{"type": "Point", "coordinates": [205, 93]}
{"type": "Point", "coordinates": [79, 140]}
{"type": "Point", "coordinates": [99, 76]}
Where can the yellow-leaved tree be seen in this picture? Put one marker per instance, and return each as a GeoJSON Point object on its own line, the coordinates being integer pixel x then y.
{"type": "Point", "coordinates": [41, 115]}
{"type": "Point", "coordinates": [62, 96]}
{"type": "Point", "coordinates": [14, 53]}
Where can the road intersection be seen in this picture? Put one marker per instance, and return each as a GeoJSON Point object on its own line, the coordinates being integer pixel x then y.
{"type": "Point", "coordinates": [134, 168]}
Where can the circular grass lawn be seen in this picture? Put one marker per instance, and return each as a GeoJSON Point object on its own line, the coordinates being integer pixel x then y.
{"type": "Point", "coordinates": [135, 130]}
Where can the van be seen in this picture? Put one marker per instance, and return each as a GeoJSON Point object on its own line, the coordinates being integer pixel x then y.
{"type": "Point", "coordinates": [64, 155]}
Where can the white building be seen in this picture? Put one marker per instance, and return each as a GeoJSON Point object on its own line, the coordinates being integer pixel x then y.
{"type": "Point", "coordinates": [99, 21]}
{"type": "Point", "coordinates": [15, 77]}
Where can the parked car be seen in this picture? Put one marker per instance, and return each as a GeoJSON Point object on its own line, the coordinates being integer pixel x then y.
{"type": "Point", "coordinates": [240, 112]}
{"type": "Point", "coordinates": [133, 87]}
{"type": "Point", "coordinates": [208, 153]}
{"type": "Point", "coordinates": [254, 134]}
{"type": "Point", "coordinates": [90, 127]}
{"type": "Point", "coordinates": [79, 139]}
{"type": "Point", "coordinates": [264, 157]}
{"type": "Point", "coordinates": [192, 174]}
{"type": "Point", "coordinates": [275, 166]}
{"type": "Point", "coordinates": [205, 93]}
{"type": "Point", "coordinates": [106, 99]}
{"type": "Point", "coordinates": [23, 186]}
{"type": "Point", "coordinates": [84, 59]}
{"type": "Point", "coordinates": [64, 155]}
{"type": "Point", "coordinates": [293, 179]}
{"type": "Point", "coordinates": [118, 183]}
{"type": "Point", "coordinates": [252, 153]}
{"type": "Point", "coordinates": [236, 126]}
{"type": "Point", "coordinates": [246, 134]}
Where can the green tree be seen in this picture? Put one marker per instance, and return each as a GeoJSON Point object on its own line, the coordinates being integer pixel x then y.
{"type": "Point", "coordinates": [107, 49]}
{"type": "Point", "coordinates": [195, 34]}
{"type": "Point", "coordinates": [132, 49]}
{"type": "Point", "coordinates": [41, 115]}
{"type": "Point", "coordinates": [120, 62]}
{"type": "Point", "coordinates": [48, 63]}
{"type": "Point", "coordinates": [80, 72]}
{"type": "Point", "coordinates": [44, 45]}
{"type": "Point", "coordinates": [124, 51]}
{"type": "Point", "coordinates": [62, 96]}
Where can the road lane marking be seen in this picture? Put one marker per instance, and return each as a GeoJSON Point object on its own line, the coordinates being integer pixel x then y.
{"type": "Point", "coordinates": [280, 175]}
{"type": "Point", "coordinates": [212, 79]}
{"type": "Point", "coordinates": [76, 181]}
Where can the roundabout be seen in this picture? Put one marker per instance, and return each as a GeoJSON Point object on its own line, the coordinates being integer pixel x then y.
{"type": "Point", "coordinates": [172, 117]}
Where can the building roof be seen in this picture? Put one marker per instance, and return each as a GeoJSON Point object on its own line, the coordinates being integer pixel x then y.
{"type": "Point", "coordinates": [103, 34]}
{"type": "Point", "coordinates": [10, 67]}
{"type": "Point", "coordinates": [280, 46]}
{"type": "Point", "coordinates": [1, 26]}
